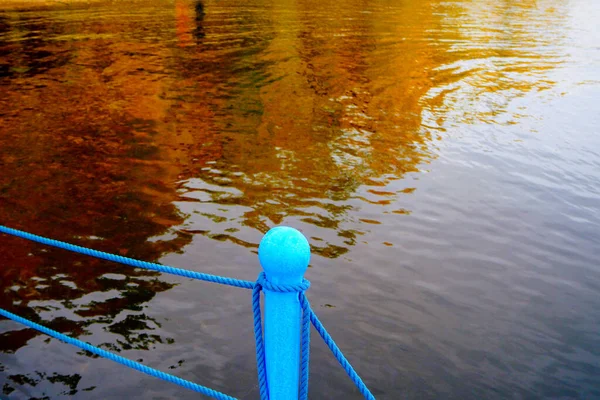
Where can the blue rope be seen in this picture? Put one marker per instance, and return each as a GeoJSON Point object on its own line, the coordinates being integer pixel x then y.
{"type": "Point", "coordinates": [261, 365]}
{"type": "Point", "coordinates": [308, 316]}
{"type": "Point", "coordinates": [281, 288]}
{"type": "Point", "coordinates": [305, 343]}
{"type": "Point", "coordinates": [114, 357]}
{"type": "Point", "coordinates": [339, 356]}
{"type": "Point", "coordinates": [129, 261]}
{"type": "Point", "coordinates": [263, 283]}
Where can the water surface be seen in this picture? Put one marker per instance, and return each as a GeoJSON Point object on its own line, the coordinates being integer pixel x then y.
{"type": "Point", "coordinates": [442, 157]}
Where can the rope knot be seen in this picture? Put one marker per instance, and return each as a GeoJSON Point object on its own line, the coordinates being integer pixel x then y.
{"type": "Point", "coordinates": [263, 282]}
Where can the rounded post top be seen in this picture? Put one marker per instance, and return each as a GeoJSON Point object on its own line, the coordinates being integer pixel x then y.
{"type": "Point", "coordinates": [284, 254]}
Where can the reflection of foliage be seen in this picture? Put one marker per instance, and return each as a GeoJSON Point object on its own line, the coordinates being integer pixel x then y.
{"type": "Point", "coordinates": [134, 292]}
{"type": "Point", "coordinates": [340, 109]}
{"type": "Point", "coordinates": [272, 118]}
{"type": "Point", "coordinates": [70, 381]}
{"type": "Point", "coordinates": [82, 165]}
{"type": "Point", "coordinates": [135, 340]}
{"type": "Point", "coordinates": [298, 138]}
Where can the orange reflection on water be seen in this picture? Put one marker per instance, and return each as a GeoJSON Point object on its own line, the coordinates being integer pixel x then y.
{"type": "Point", "coordinates": [133, 126]}
{"type": "Point", "coordinates": [290, 106]}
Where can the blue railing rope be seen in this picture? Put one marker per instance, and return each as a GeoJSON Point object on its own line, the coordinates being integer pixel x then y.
{"type": "Point", "coordinates": [308, 317]}
{"type": "Point", "coordinates": [222, 280]}
{"type": "Point", "coordinates": [305, 347]}
{"type": "Point", "coordinates": [260, 346]}
{"type": "Point", "coordinates": [263, 283]}
{"type": "Point", "coordinates": [337, 353]}
{"type": "Point", "coordinates": [114, 357]}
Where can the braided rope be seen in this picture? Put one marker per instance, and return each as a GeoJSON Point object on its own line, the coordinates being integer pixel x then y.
{"type": "Point", "coordinates": [129, 261]}
{"type": "Point", "coordinates": [281, 288]}
{"type": "Point", "coordinates": [308, 316]}
{"type": "Point", "coordinates": [305, 343]}
{"type": "Point", "coordinates": [340, 357]}
{"type": "Point", "coordinates": [261, 365]}
{"type": "Point", "coordinates": [114, 357]}
{"type": "Point", "coordinates": [263, 283]}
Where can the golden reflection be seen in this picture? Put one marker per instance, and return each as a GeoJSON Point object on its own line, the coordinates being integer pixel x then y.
{"type": "Point", "coordinates": [328, 99]}
{"type": "Point", "coordinates": [82, 160]}
{"type": "Point", "coordinates": [222, 118]}
{"type": "Point", "coordinates": [318, 113]}
{"type": "Point", "coordinates": [507, 56]}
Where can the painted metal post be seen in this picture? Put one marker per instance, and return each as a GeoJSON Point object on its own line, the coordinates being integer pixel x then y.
{"type": "Point", "coordinates": [284, 254]}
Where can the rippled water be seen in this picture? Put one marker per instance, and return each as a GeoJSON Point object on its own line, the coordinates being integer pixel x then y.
{"type": "Point", "coordinates": [443, 158]}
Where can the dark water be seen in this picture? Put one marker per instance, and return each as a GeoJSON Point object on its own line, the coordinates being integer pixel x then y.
{"type": "Point", "coordinates": [443, 158]}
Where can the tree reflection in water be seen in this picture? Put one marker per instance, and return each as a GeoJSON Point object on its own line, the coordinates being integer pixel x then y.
{"type": "Point", "coordinates": [79, 164]}
{"type": "Point", "coordinates": [221, 119]}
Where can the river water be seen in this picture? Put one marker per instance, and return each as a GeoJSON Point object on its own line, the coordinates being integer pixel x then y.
{"type": "Point", "coordinates": [442, 157]}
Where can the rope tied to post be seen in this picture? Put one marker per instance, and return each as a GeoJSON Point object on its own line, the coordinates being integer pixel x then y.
{"type": "Point", "coordinates": [308, 316]}
{"type": "Point", "coordinates": [263, 283]}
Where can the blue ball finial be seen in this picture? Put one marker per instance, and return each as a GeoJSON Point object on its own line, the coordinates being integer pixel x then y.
{"type": "Point", "coordinates": [284, 254]}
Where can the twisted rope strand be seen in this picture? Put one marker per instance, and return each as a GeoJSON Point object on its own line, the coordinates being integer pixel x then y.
{"type": "Point", "coordinates": [305, 354]}
{"type": "Point", "coordinates": [340, 357]}
{"type": "Point", "coordinates": [129, 261]}
{"type": "Point", "coordinates": [308, 316]}
{"type": "Point", "coordinates": [114, 357]}
{"type": "Point", "coordinates": [260, 346]}
{"type": "Point", "coordinates": [281, 288]}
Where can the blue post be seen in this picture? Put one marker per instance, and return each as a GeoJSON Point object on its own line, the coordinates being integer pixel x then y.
{"type": "Point", "coordinates": [284, 254]}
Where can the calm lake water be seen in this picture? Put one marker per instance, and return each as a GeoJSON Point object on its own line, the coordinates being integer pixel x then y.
{"type": "Point", "coordinates": [442, 157]}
